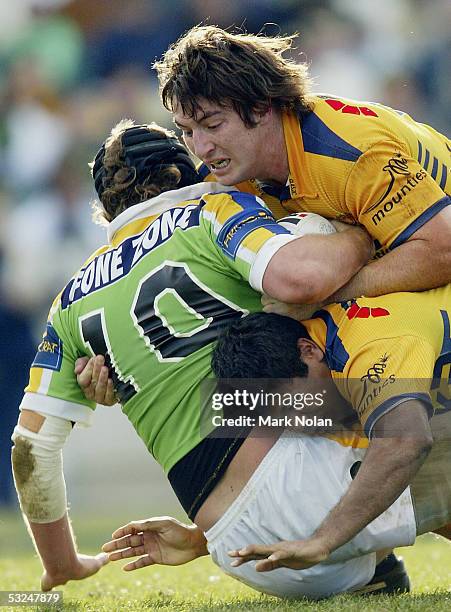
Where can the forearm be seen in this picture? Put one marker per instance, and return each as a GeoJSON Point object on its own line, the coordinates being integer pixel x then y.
{"type": "Point", "coordinates": [311, 268]}
{"type": "Point", "coordinates": [55, 545]}
{"type": "Point", "coordinates": [39, 480]}
{"type": "Point", "coordinates": [387, 470]}
{"type": "Point", "coordinates": [413, 266]}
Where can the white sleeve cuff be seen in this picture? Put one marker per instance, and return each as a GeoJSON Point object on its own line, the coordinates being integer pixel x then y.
{"type": "Point", "coordinates": [47, 405]}
{"type": "Point", "coordinates": [264, 256]}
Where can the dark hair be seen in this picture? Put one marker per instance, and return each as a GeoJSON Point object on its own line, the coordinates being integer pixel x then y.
{"type": "Point", "coordinates": [138, 162]}
{"type": "Point", "coordinates": [246, 71]}
{"type": "Point", "coordinates": [260, 345]}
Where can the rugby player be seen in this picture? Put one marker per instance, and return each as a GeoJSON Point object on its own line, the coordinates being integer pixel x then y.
{"type": "Point", "coordinates": [249, 115]}
{"type": "Point", "coordinates": [179, 266]}
{"type": "Point", "coordinates": [390, 358]}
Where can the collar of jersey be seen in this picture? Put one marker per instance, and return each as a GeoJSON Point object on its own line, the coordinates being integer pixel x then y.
{"type": "Point", "coordinates": [299, 180]}
{"type": "Point", "coordinates": [135, 219]}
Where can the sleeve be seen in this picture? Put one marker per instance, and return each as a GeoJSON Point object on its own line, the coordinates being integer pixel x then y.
{"type": "Point", "coordinates": [52, 387]}
{"type": "Point", "coordinates": [387, 372]}
{"type": "Point", "coordinates": [391, 194]}
{"type": "Point", "coordinates": [245, 232]}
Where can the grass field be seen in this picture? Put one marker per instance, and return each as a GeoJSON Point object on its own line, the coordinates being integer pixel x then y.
{"type": "Point", "coordinates": [200, 585]}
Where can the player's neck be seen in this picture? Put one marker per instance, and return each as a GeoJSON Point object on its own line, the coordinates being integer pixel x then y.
{"type": "Point", "coordinates": [274, 167]}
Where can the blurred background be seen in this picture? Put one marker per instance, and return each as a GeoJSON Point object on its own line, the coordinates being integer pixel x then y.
{"type": "Point", "coordinates": [69, 70]}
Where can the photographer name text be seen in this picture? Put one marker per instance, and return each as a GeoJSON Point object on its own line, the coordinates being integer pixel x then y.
{"type": "Point", "coordinates": [270, 421]}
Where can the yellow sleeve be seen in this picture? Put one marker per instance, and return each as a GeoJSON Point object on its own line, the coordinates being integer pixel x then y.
{"type": "Point", "coordinates": [241, 228]}
{"type": "Point", "coordinates": [252, 187]}
{"type": "Point", "coordinates": [387, 372]}
{"type": "Point", "coordinates": [391, 195]}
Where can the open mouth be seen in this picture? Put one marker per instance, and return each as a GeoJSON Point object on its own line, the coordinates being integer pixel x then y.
{"type": "Point", "coordinates": [219, 164]}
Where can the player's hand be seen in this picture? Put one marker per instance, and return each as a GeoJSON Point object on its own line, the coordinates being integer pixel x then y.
{"type": "Point", "coordinates": [298, 555]}
{"type": "Point", "coordinates": [162, 540]}
{"type": "Point", "coordinates": [299, 312]}
{"type": "Point", "coordinates": [85, 566]}
{"type": "Point", "coordinates": [93, 379]}
{"type": "Point", "coordinates": [340, 226]}
{"type": "Point", "coordinates": [358, 230]}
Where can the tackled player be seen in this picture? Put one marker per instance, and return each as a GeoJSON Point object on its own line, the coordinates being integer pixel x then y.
{"type": "Point", "coordinates": [179, 266]}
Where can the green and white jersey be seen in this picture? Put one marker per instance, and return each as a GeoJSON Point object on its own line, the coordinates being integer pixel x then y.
{"type": "Point", "coordinates": [177, 269]}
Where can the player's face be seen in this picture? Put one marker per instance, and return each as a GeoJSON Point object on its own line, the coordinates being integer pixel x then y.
{"type": "Point", "coordinates": [218, 136]}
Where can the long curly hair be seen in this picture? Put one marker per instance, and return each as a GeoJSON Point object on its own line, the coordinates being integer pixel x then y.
{"type": "Point", "coordinates": [122, 187]}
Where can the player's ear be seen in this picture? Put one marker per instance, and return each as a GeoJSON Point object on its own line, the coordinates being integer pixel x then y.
{"type": "Point", "coordinates": [263, 114]}
{"type": "Point", "coordinates": [309, 351]}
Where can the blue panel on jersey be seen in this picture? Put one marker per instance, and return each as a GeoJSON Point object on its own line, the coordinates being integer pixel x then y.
{"type": "Point", "coordinates": [434, 170]}
{"type": "Point", "coordinates": [443, 177]}
{"type": "Point", "coordinates": [420, 152]}
{"type": "Point", "coordinates": [203, 171]}
{"type": "Point", "coordinates": [320, 139]}
{"type": "Point", "coordinates": [253, 216]}
{"type": "Point", "coordinates": [445, 351]}
{"type": "Point", "coordinates": [335, 353]}
{"type": "Point", "coordinates": [282, 192]}
{"type": "Point", "coordinates": [248, 201]}
{"type": "Point", "coordinates": [392, 403]}
{"type": "Point", "coordinates": [50, 351]}
{"type": "Point", "coordinates": [420, 221]}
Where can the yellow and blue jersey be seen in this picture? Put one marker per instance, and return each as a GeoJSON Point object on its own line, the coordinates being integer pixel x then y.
{"type": "Point", "coordinates": [386, 350]}
{"type": "Point", "coordinates": [363, 163]}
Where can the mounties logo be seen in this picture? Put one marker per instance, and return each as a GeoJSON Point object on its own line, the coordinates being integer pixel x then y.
{"type": "Point", "coordinates": [373, 383]}
{"type": "Point", "coordinates": [374, 373]}
{"type": "Point", "coordinates": [397, 166]}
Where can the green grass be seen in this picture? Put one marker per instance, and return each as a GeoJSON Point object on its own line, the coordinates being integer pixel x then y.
{"type": "Point", "coordinates": [200, 586]}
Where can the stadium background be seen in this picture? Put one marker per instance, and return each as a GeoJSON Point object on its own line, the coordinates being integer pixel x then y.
{"type": "Point", "coordinates": [69, 70]}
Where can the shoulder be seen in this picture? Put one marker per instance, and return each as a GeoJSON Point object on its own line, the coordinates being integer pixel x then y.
{"type": "Point", "coordinates": [348, 127]}
{"type": "Point", "coordinates": [234, 202]}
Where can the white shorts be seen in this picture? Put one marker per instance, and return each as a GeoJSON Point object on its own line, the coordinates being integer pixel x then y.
{"type": "Point", "coordinates": [296, 485]}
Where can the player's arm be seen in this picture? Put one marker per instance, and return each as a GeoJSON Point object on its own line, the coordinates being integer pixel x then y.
{"type": "Point", "coordinates": [310, 268]}
{"type": "Point", "coordinates": [408, 214]}
{"type": "Point", "coordinates": [293, 269]}
{"type": "Point", "coordinates": [37, 465]}
{"type": "Point", "coordinates": [422, 262]}
{"type": "Point", "coordinates": [161, 540]}
{"type": "Point", "coordinates": [53, 402]}
{"type": "Point", "coordinates": [402, 442]}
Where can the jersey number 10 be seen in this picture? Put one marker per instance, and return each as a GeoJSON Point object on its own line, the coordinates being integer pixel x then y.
{"type": "Point", "coordinates": [213, 311]}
